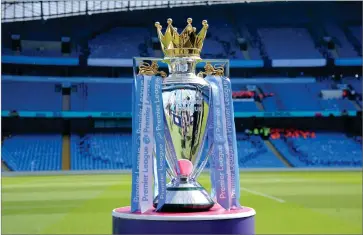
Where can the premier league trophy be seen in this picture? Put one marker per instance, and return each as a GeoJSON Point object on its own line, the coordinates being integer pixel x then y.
{"type": "Point", "coordinates": [181, 122]}
{"type": "Point", "coordinates": [186, 100]}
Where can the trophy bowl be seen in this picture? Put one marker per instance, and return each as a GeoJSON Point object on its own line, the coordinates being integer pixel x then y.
{"type": "Point", "coordinates": [186, 99]}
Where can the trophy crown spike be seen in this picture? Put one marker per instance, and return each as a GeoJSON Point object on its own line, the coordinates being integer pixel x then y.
{"type": "Point", "coordinates": [186, 44]}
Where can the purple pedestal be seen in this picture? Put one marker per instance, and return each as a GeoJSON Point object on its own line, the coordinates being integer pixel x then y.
{"type": "Point", "coordinates": [215, 221]}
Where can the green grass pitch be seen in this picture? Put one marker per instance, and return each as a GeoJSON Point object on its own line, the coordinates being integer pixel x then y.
{"type": "Point", "coordinates": [288, 202]}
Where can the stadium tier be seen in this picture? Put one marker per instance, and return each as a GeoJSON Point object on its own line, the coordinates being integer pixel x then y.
{"type": "Point", "coordinates": [326, 150]}
{"type": "Point", "coordinates": [288, 36]}
{"type": "Point", "coordinates": [355, 83]}
{"type": "Point", "coordinates": [344, 48]}
{"type": "Point", "coordinates": [121, 43]}
{"type": "Point", "coordinates": [290, 97]}
{"type": "Point", "coordinates": [289, 43]}
{"type": "Point", "coordinates": [253, 153]}
{"type": "Point", "coordinates": [89, 97]}
{"type": "Point", "coordinates": [298, 60]}
{"type": "Point", "coordinates": [304, 97]}
{"type": "Point", "coordinates": [32, 152]}
{"type": "Point", "coordinates": [101, 151]}
{"type": "Point", "coordinates": [113, 152]}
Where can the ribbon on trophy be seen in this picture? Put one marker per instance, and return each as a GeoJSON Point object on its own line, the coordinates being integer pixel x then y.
{"type": "Point", "coordinates": [212, 162]}
{"type": "Point", "coordinates": [221, 131]}
{"type": "Point", "coordinates": [147, 130]}
{"type": "Point", "coordinates": [220, 147]}
{"type": "Point", "coordinates": [232, 141]}
{"type": "Point", "coordinates": [138, 90]}
{"type": "Point", "coordinates": [158, 109]}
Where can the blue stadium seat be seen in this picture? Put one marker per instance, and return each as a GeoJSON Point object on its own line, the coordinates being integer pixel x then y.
{"type": "Point", "coordinates": [223, 41]}
{"type": "Point", "coordinates": [253, 153]}
{"type": "Point", "coordinates": [302, 97]}
{"type": "Point", "coordinates": [356, 83]}
{"type": "Point", "coordinates": [289, 97]}
{"type": "Point", "coordinates": [33, 152]}
{"type": "Point", "coordinates": [120, 43]}
{"type": "Point", "coordinates": [289, 43]}
{"type": "Point", "coordinates": [344, 48]}
{"type": "Point", "coordinates": [326, 150]}
{"type": "Point", "coordinates": [101, 152]}
{"type": "Point", "coordinates": [113, 151]}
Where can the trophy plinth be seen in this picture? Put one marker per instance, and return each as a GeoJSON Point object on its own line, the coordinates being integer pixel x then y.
{"type": "Point", "coordinates": [214, 221]}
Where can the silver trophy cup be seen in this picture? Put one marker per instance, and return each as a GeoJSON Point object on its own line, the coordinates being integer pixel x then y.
{"type": "Point", "coordinates": [186, 99]}
{"type": "Point", "coordinates": [186, 108]}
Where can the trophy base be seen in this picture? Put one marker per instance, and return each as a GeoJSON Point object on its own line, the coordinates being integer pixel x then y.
{"type": "Point", "coordinates": [214, 221]}
{"type": "Point", "coordinates": [186, 197]}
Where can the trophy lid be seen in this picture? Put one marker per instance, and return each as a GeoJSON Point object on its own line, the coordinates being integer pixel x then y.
{"type": "Point", "coordinates": [186, 44]}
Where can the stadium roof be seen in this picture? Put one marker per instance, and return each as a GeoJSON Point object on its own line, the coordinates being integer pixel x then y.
{"type": "Point", "coordinates": [24, 10]}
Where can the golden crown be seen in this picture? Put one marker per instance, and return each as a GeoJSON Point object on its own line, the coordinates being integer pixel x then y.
{"type": "Point", "coordinates": [186, 44]}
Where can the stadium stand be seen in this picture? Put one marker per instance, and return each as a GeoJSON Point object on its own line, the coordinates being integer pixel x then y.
{"type": "Point", "coordinates": [304, 97]}
{"type": "Point", "coordinates": [32, 152]}
{"type": "Point", "coordinates": [214, 49]}
{"type": "Point", "coordinates": [113, 151]}
{"type": "Point", "coordinates": [101, 151]}
{"type": "Point", "coordinates": [356, 83]}
{"type": "Point", "coordinates": [289, 97]}
{"type": "Point", "coordinates": [253, 43]}
{"type": "Point", "coordinates": [253, 153]}
{"type": "Point", "coordinates": [344, 48]}
{"type": "Point", "coordinates": [288, 43]}
{"type": "Point", "coordinates": [329, 150]}
{"type": "Point", "coordinates": [120, 43]}
{"type": "Point", "coordinates": [356, 86]}
{"type": "Point", "coordinates": [223, 42]}
{"type": "Point", "coordinates": [241, 36]}
{"type": "Point", "coordinates": [30, 96]}
{"type": "Point", "coordinates": [91, 97]}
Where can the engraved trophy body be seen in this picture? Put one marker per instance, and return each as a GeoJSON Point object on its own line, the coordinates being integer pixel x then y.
{"type": "Point", "coordinates": [186, 100]}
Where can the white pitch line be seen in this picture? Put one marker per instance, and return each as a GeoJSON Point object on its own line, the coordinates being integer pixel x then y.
{"type": "Point", "coordinates": [264, 195]}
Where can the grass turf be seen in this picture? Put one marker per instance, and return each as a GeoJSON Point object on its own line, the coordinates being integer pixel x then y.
{"type": "Point", "coordinates": [288, 202]}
